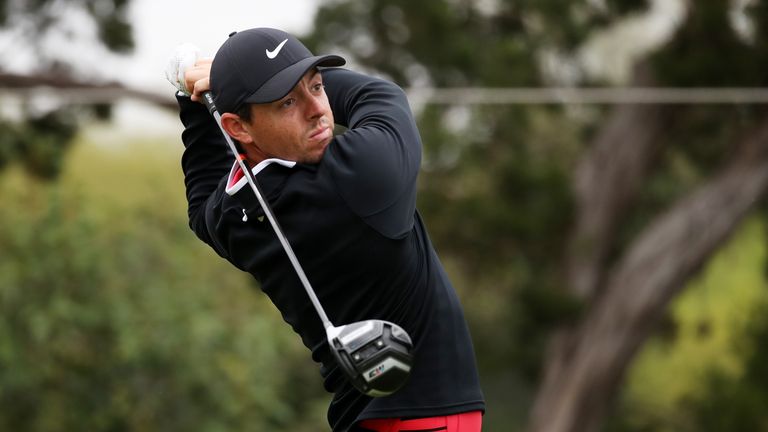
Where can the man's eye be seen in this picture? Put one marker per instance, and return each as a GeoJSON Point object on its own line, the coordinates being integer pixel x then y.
{"type": "Point", "coordinates": [318, 87]}
{"type": "Point", "coordinates": [288, 102]}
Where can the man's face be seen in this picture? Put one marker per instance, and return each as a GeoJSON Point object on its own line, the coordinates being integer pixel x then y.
{"type": "Point", "coordinates": [297, 127]}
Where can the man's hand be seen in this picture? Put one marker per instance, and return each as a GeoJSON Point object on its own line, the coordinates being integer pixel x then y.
{"type": "Point", "coordinates": [188, 73]}
{"type": "Point", "coordinates": [197, 78]}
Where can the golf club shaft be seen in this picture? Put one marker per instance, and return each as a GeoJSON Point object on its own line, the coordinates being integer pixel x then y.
{"type": "Point", "coordinates": [208, 100]}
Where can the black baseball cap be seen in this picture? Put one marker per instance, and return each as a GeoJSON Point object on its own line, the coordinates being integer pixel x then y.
{"type": "Point", "coordinates": [260, 65]}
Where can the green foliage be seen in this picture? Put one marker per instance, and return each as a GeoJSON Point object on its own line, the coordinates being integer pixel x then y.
{"type": "Point", "coordinates": [111, 18]}
{"type": "Point", "coordinates": [40, 142]}
{"type": "Point", "coordinates": [699, 56]}
{"type": "Point", "coordinates": [566, 25]}
{"type": "Point", "coordinates": [732, 402]}
{"type": "Point", "coordinates": [113, 316]}
{"type": "Point", "coordinates": [400, 39]}
{"type": "Point", "coordinates": [706, 370]}
{"type": "Point", "coordinates": [697, 139]}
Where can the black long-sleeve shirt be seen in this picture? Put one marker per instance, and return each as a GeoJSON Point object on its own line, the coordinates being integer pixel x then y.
{"type": "Point", "coordinates": [352, 222]}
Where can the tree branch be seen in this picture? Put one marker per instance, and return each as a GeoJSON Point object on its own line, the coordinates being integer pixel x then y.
{"type": "Point", "coordinates": [606, 180]}
{"type": "Point", "coordinates": [74, 91]}
{"type": "Point", "coordinates": [584, 368]}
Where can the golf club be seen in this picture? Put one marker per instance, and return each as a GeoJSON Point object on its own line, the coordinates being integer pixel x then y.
{"type": "Point", "coordinates": [374, 354]}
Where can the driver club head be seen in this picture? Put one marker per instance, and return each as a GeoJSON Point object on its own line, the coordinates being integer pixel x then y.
{"type": "Point", "coordinates": [374, 354]}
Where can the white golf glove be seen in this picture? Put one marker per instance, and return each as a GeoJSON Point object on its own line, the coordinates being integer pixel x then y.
{"type": "Point", "coordinates": [183, 58]}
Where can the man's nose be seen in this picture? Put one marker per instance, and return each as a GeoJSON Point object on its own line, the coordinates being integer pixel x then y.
{"type": "Point", "coordinates": [315, 107]}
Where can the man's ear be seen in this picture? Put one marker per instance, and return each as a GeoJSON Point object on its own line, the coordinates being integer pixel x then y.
{"type": "Point", "coordinates": [233, 125]}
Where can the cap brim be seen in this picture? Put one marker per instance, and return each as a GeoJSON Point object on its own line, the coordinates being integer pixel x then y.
{"type": "Point", "coordinates": [285, 80]}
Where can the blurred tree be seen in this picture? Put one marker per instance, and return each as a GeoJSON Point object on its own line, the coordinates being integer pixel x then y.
{"type": "Point", "coordinates": [40, 136]}
{"type": "Point", "coordinates": [702, 365]}
{"type": "Point", "coordinates": [589, 220]}
{"type": "Point", "coordinates": [113, 316]}
{"type": "Point", "coordinates": [738, 404]}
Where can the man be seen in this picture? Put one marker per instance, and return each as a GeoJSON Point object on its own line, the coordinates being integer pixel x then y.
{"type": "Point", "coordinates": [347, 206]}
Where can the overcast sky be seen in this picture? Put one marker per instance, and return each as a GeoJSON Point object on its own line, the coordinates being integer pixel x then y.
{"type": "Point", "coordinates": [160, 26]}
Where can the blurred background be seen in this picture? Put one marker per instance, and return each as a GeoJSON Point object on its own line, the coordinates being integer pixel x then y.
{"type": "Point", "coordinates": [594, 179]}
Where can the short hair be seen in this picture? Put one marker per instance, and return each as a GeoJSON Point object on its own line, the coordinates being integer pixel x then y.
{"type": "Point", "coordinates": [244, 112]}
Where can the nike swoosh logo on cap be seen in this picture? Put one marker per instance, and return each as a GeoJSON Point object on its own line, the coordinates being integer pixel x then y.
{"type": "Point", "coordinates": [272, 54]}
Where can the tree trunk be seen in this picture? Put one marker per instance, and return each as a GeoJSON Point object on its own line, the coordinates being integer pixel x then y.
{"type": "Point", "coordinates": [606, 180]}
{"type": "Point", "coordinates": [584, 366]}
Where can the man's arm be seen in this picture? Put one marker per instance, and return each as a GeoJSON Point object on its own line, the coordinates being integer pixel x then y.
{"type": "Point", "coordinates": [205, 162]}
{"type": "Point", "coordinates": [376, 161]}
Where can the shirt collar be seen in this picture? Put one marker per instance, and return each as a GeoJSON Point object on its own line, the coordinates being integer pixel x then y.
{"type": "Point", "coordinates": [236, 179]}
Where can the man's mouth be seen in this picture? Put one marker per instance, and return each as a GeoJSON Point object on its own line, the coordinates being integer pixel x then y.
{"type": "Point", "coordinates": [320, 134]}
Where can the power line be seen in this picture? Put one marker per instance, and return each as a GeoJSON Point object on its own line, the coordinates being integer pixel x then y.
{"type": "Point", "coordinates": [453, 96]}
{"type": "Point", "coordinates": [75, 96]}
{"type": "Point", "coordinates": [592, 95]}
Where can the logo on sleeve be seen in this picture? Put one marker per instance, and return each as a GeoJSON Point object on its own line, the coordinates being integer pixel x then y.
{"type": "Point", "coordinates": [272, 54]}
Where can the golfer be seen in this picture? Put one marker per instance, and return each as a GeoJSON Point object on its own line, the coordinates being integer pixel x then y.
{"type": "Point", "coordinates": [347, 205]}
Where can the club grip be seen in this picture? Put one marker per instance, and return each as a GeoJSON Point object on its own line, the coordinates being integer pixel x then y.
{"type": "Point", "coordinates": [209, 103]}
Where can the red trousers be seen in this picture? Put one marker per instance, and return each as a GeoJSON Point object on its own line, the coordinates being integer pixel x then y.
{"type": "Point", "coordinates": [464, 422]}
